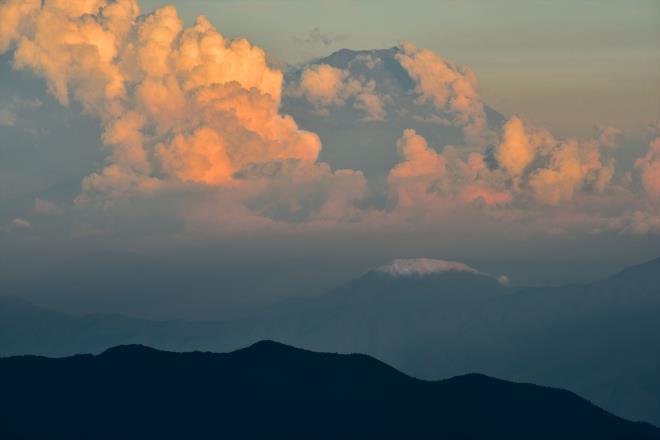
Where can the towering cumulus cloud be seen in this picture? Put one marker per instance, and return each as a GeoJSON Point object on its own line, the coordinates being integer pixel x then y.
{"type": "Point", "coordinates": [177, 105]}
{"type": "Point", "coordinates": [419, 175]}
{"type": "Point", "coordinates": [446, 86]}
{"type": "Point", "coordinates": [428, 177]}
{"type": "Point", "coordinates": [650, 166]}
{"type": "Point", "coordinates": [192, 120]}
{"type": "Point", "coordinates": [326, 86]}
{"type": "Point", "coordinates": [517, 148]}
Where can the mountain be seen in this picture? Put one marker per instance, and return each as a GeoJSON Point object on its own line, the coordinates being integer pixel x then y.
{"type": "Point", "coordinates": [643, 277]}
{"type": "Point", "coordinates": [273, 390]}
{"type": "Point", "coordinates": [429, 319]}
{"type": "Point", "coordinates": [350, 140]}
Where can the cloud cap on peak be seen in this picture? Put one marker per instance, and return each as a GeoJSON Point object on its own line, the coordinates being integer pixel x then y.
{"type": "Point", "coordinates": [425, 266]}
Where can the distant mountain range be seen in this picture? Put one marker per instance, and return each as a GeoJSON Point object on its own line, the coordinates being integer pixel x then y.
{"type": "Point", "coordinates": [271, 390]}
{"type": "Point", "coordinates": [600, 340]}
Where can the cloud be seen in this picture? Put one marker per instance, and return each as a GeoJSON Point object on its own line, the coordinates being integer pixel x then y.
{"type": "Point", "coordinates": [650, 169]}
{"type": "Point", "coordinates": [475, 192]}
{"type": "Point", "coordinates": [178, 106]}
{"type": "Point", "coordinates": [192, 128]}
{"type": "Point", "coordinates": [13, 13]}
{"type": "Point", "coordinates": [371, 104]}
{"type": "Point", "coordinates": [7, 117]}
{"type": "Point", "coordinates": [553, 170]}
{"type": "Point", "coordinates": [427, 177]}
{"type": "Point", "coordinates": [608, 136]}
{"type": "Point", "coordinates": [571, 164]}
{"type": "Point", "coordinates": [11, 109]}
{"type": "Point", "coordinates": [45, 207]}
{"type": "Point", "coordinates": [418, 159]}
{"type": "Point", "coordinates": [642, 223]}
{"type": "Point", "coordinates": [17, 224]}
{"type": "Point", "coordinates": [326, 86]}
{"type": "Point", "coordinates": [317, 38]}
{"type": "Point", "coordinates": [448, 87]}
{"type": "Point", "coordinates": [187, 105]}
{"type": "Point", "coordinates": [418, 177]}
{"type": "Point", "coordinates": [517, 149]}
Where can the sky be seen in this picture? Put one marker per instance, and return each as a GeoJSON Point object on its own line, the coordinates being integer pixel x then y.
{"type": "Point", "coordinates": [240, 158]}
{"type": "Point", "coordinates": [565, 64]}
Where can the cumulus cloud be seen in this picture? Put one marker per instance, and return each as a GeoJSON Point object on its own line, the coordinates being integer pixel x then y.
{"type": "Point", "coordinates": [17, 224]}
{"type": "Point", "coordinates": [571, 164]}
{"type": "Point", "coordinates": [553, 170]}
{"type": "Point", "coordinates": [525, 172]}
{"type": "Point", "coordinates": [428, 177]}
{"type": "Point", "coordinates": [650, 169]}
{"type": "Point", "coordinates": [474, 192]}
{"type": "Point", "coordinates": [326, 86]}
{"type": "Point", "coordinates": [45, 207]}
{"type": "Point", "coordinates": [192, 119]}
{"type": "Point", "coordinates": [178, 106]}
{"type": "Point", "coordinates": [419, 175]}
{"type": "Point", "coordinates": [371, 104]}
{"type": "Point", "coordinates": [517, 148]}
{"type": "Point", "coordinates": [13, 14]}
{"type": "Point", "coordinates": [418, 159]}
{"type": "Point", "coordinates": [209, 101]}
{"type": "Point", "coordinates": [11, 109]}
{"type": "Point", "coordinates": [447, 86]}
{"type": "Point", "coordinates": [608, 136]}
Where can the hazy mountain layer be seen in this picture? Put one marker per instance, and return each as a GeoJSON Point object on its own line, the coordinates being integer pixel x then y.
{"type": "Point", "coordinates": [600, 340]}
{"type": "Point", "coordinates": [270, 390]}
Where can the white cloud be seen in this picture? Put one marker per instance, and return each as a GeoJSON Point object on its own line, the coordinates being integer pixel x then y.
{"type": "Point", "coordinates": [17, 224]}
{"type": "Point", "coordinates": [45, 207]}
{"type": "Point", "coordinates": [424, 266]}
{"type": "Point", "coordinates": [11, 109]}
{"type": "Point", "coordinates": [325, 86]}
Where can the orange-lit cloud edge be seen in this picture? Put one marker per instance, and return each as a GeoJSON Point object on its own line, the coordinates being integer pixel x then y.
{"type": "Point", "coordinates": [193, 119]}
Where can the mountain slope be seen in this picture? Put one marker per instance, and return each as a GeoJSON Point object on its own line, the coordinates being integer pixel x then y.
{"type": "Point", "coordinates": [600, 340]}
{"type": "Point", "coordinates": [272, 389]}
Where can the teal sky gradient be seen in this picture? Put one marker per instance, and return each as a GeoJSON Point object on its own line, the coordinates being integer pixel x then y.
{"type": "Point", "coordinates": [563, 64]}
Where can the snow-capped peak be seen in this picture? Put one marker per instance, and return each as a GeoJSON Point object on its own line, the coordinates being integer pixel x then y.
{"type": "Point", "coordinates": [425, 266]}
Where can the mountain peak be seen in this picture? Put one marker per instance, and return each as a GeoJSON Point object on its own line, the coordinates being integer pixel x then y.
{"type": "Point", "coordinates": [424, 266]}
{"type": "Point", "coordinates": [343, 57]}
{"type": "Point", "coordinates": [183, 395]}
{"type": "Point", "coordinates": [645, 275]}
{"type": "Point", "coordinates": [128, 350]}
{"type": "Point", "coordinates": [269, 346]}
{"type": "Point", "coordinates": [418, 267]}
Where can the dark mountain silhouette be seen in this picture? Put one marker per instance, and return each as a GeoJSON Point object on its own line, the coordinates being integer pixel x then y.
{"type": "Point", "coordinates": [273, 390]}
{"type": "Point", "coordinates": [600, 340]}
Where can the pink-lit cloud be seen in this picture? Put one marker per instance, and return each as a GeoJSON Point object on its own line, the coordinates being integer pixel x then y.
{"type": "Point", "coordinates": [650, 169]}
{"type": "Point", "coordinates": [189, 111]}
{"type": "Point", "coordinates": [447, 86]}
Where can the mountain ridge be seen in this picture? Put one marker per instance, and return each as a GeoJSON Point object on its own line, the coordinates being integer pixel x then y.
{"type": "Point", "coordinates": [273, 389]}
{"type": "Point", "coordinates": [430, 327]}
